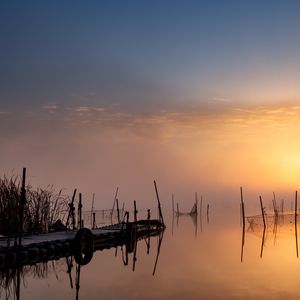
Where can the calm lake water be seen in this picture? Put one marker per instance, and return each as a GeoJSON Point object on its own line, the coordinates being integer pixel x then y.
{"type": "Point", "coordinates": [197, 260]}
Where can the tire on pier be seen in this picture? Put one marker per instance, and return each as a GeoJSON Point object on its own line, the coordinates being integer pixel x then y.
{"type": "Point", "coordinates": [84, 246]}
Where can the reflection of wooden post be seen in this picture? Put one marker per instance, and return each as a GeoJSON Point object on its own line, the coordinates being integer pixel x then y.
{"type": "Point", "coordinates": [207, 213]}
{"type": "Point", "coordinates": [262, 243]}
{"type": "Point", "coordinates": [173, 209]}
{"type": "Point", "coordinates": [262, 211]}
{"type": "Point", "coordinates": [201, 207]}
{"type": "Point", "coordinates": [296, 231]}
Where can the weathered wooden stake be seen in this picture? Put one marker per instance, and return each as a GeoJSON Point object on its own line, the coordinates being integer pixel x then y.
{"type": "Point", "coordinates": [159, 206]}
{"type": "Point", "coordinates": [92, 210]}
{"type": "Point", "coordinates": [80, 211]}
{"type": "Point", "coordinates": [262, 211]}
{"type": "Point", "coordinates": [22, 204]}
{"type": "Point", "coordinates": [296, 206]}
{"type": "Point", "coordinates": [135, 211]}
{"type": "Point", "coordinates": [71, 213]}
{"type": "Point", "coordinates": [243, 207]}
{"type": "Point", "coordinates": [94, 220]}
{"type": "Point", "coordinates": [112, 211]}
{"type": "Point", "coordinates": [118, 211]}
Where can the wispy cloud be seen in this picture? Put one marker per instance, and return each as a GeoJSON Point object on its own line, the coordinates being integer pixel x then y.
{"type": "Point", "coordinates": [84, 109]}
{"type": "Point", "coordinates": [4, 112]}
{"type": "Point", "coordinates": [50, 107]}
{"type": "Point", "coordinates": [221, 99]}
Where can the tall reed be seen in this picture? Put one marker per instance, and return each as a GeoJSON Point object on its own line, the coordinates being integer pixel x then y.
{"type": "Point", "coordinates": [43, 207]}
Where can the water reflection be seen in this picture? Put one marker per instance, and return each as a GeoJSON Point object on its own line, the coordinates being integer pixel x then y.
{"type": "Point", "coordinates": [281, 222]}
{"type": "Point", "coordinates": [193, 214]}
{"type": "Point", "coordinates": [13, 280]}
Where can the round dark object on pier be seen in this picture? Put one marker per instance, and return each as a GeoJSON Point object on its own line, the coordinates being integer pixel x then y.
{"type": "Point", "coordinates": [51, 251]}
{"type": "Point", "coordinates": [2, 260]}
{"type": "Point", "coordinates": [23, 257]}
{"type": "Point", "coordinates": [11, 258]}
{"type": "Point", "coordinates": [42, 253]}
{"type": "Point", "coordinates": [84, 246]}
{"type": "Point", "coordinates": [33, 254]}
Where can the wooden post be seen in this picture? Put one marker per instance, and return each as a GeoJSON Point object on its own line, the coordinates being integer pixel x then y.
{"type": "Point", "coordinates": [80, 211]}
{"type": "Point", "coordinates": [296, 204]}
{"type": "Point", "coordinates": [22, 204]}
{"type": "Point", "coordinates": [94, 220]}
{"type": "Point", "coordinates": [135, 211]}
{"type": "Point", "coordinates": [262, 211]}
{"type": "Point", "coordinates": [177, 209]}
{"type": "Point", "coordinates": [243, 207]}
{"type": "Point", "coordinates": [159, 206]}
{"type": "Point", "coordinates": [118, 211]}
{"type": "Point", "coordinates": [112, 211]}
{"type": "Point", "coordinates": [71, 211]}
{"type": "Point", "coordinates": [92, 210]}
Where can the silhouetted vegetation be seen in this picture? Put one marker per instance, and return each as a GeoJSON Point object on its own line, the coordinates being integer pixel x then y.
{"type": "Point", "coordinates": [43, 207]}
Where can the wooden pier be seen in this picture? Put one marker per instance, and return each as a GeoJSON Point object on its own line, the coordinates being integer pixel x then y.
{"type": "Point", "coordinates": [79, 243]}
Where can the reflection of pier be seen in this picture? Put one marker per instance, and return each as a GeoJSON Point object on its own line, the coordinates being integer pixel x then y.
{"type": "Point", "coordinates": [11, 277]}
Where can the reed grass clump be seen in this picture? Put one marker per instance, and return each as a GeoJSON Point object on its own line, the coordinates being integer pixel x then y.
{"type": "Point", "coordinates": [43, 207]}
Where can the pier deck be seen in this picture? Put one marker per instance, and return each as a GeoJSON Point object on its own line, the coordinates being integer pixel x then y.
{"type": "Point", "coordinates": [81, 243]}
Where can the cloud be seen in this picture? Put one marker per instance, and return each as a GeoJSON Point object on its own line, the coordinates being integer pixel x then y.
{"type": "Point", "coordinates": [50, 107]}
{"type": "Point", "coordinates": [85, 109]}
{"type": "Point", "coordinates": [4, 112]}
{"type": "Point", "coordinates": [221, 99]}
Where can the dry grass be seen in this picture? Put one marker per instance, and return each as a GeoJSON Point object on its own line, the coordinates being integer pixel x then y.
{"type": "Point", "coordinates": [42, 208]}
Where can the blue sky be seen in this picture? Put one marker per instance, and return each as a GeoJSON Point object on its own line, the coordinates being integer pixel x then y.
{"type": "Point", "coordinates": [148, 55]}
{"type": "Point", "coordinates": [200, 95]}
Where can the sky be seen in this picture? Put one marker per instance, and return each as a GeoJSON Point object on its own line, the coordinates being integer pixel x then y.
{"type": "Point", "coordinates": [199, 95]}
